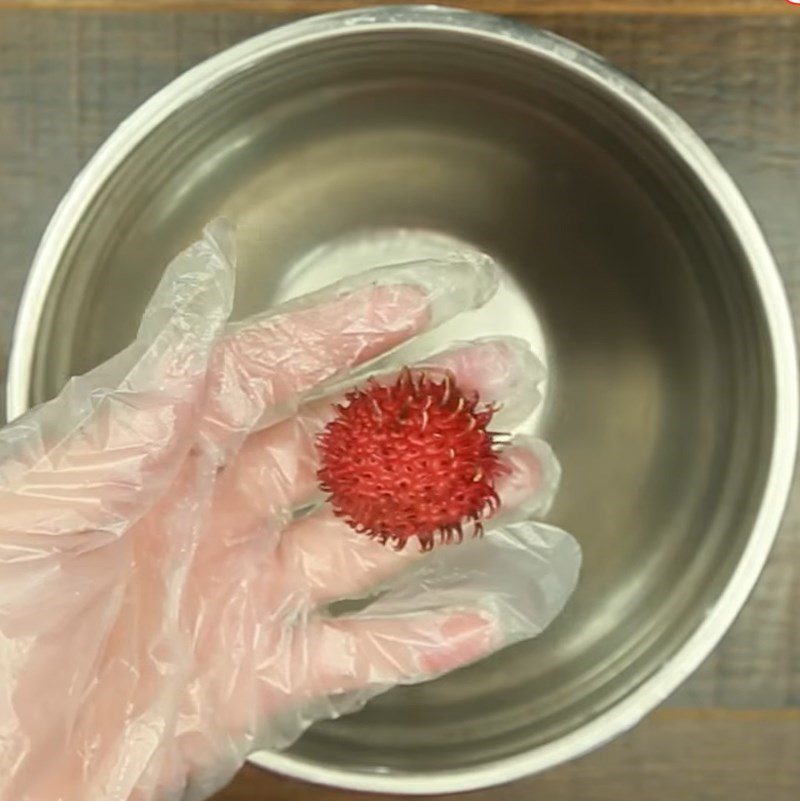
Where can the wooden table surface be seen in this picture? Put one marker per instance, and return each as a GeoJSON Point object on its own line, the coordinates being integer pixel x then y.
{"type": "Point", "coordinates": [70, 70]}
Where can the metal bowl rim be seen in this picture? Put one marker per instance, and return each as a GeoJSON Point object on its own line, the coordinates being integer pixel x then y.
{"type": "Point", "coordinates": [694, 154]}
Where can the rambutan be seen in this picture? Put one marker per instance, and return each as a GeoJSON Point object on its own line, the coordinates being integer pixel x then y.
{"type": "Point", "coordinates": [411, 458]}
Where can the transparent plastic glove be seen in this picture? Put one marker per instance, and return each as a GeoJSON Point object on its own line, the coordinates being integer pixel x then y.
{"type": "Point", "coordinates": [163, 612]}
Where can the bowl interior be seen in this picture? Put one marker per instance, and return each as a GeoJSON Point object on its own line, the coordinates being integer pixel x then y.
{"type": "Point", "coordinates": [335, 155]}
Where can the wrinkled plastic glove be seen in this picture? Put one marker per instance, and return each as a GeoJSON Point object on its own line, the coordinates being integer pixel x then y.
{"type": "Point", "coordinates": [163, 612]}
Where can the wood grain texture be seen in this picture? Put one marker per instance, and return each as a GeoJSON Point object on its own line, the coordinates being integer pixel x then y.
{"type": "Point", "coordinates": [517, 7]}
{"type": "Point", "coordinates": [673, 756]}
{"type": "Point", "coordinates": [67, 79]}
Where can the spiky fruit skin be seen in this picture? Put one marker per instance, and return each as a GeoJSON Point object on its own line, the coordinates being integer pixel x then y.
{"type": "Point", "coordinates": [411, 458]}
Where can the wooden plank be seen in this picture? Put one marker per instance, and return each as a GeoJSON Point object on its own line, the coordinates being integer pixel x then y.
{"type": "Point", "coordinates": [516, 7]}
{"type": "Point", "coordinates": [676, 754]}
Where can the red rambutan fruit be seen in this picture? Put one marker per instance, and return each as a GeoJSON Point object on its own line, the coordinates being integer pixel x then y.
{"type": "Point", "coordinates": [411, 458]}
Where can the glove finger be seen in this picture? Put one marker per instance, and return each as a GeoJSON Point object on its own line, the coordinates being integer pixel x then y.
{"type": "Point", "coordinates": [375, 653]}
{"type": "Point", "coordinates": [289, 688]}
{"type": "Point", "coordinates": [266, 364]}
{"type": "Point", "coordinates": [520, 576]}
{"type": "Point", "coordinates": [90, 458]}
{"type": "Point", "coordinates": [322, 554]}
{"type": "Point", "coordinates": [276, 469]}
{"type": "Point", "coordinates": [458, 606]}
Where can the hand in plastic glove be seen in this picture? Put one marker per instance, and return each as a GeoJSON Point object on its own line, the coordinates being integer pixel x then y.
{"type": "Point", "coordinates": [162, 613]}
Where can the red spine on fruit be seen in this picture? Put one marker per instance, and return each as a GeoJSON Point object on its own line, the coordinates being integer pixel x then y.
{"type": "Point", "coordinates": [411, 458]}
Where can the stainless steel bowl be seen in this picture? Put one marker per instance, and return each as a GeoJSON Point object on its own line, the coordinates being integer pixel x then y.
{"type": "Point", "coordinates": [632, 263]}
